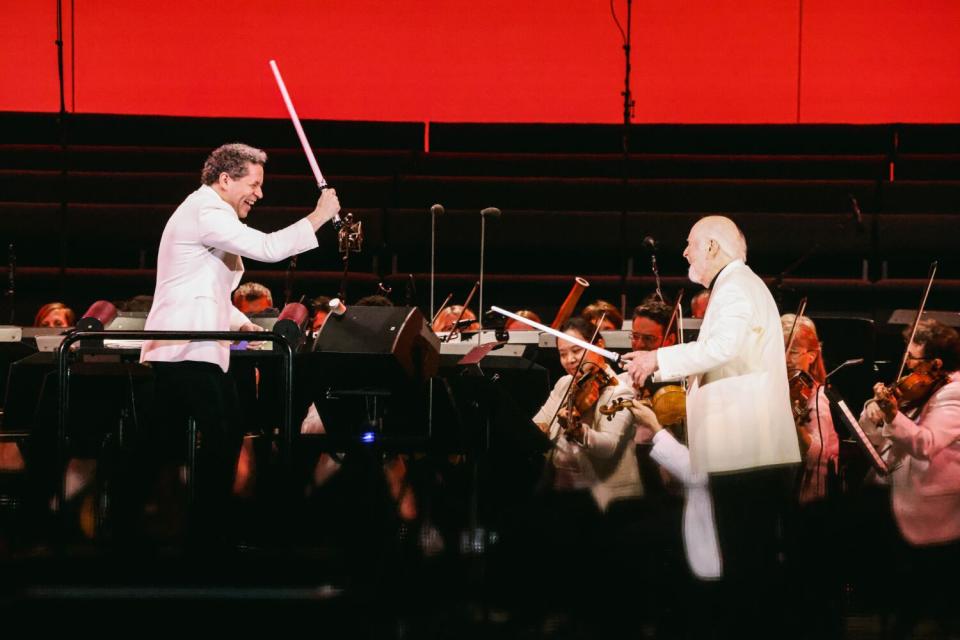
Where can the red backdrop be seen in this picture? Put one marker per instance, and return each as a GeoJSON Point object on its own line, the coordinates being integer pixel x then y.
{"type": "Point", "coordinates": [693, 61]}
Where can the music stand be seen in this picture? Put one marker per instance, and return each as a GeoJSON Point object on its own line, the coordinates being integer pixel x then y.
{"type": "Point", "coordinates": [502, 444]}
{"type": "Point", "coordinates": [853, 426]}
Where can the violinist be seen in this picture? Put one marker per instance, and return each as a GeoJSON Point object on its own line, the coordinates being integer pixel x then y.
{"type": "Point", "coordinates": [556, 543]}
{"type": "Point", "coordinates": [819, 443]}
{"type": "Point", "coordinates": [591, 452]}
{"type": "Point", "coordinates": [812, 567]}
{"type": "Point", "coordinates": [919, 419]}
{"type": "Point", "coordinates": [648, 332]}
{"type": "Point", "coordinates": [649, 324]}
{"type": "Point", "coordinates": [448, 316]}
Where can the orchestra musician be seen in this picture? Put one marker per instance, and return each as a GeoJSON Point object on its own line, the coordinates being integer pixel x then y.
{"type": "Point", "coordinates": [55, 314]}
{"type": "Point", "coordinates": [917, 422]}
{"type": "Point", "coordinates": [648, 332]}
{"type": "Point", "coordinates": [811, 531]}
{"type": "Point", "coordinates": [591, 453]}
{"type": "Point", "coordinates": [590, 467]}
{"type": "Point", "coordinates": [252, 297]}
{"type": "Point", "coordinates": [612, 319]}
{"type": "Point", "coordinates": [448, 316]}
{"type": "Point", "coordinates": [516, 325]}
{"type": "Point", "coordinates": [698, 304]}
{"type": "Point", "coordinates": [819, 443]}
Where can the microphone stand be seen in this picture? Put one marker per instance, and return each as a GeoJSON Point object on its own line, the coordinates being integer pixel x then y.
{"type": "Point", "coordinates": [12, 282]}
{"type": "Point", "coordinates": [434, 210]}
{"type": "Point", "coordinates": [656, 273]}
{"type": "Point", "coordinates": [778, 281]}
{"type": "Point", "coordinates": [489, 211]}
{"type": "Point", "coordinates": [628, 107]}
{"type": "Point", "coordinates": [64, 158]}
{"type": "Point", "coordinates": [288, 281]}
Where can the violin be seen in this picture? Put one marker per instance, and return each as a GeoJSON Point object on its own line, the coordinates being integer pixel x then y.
{"type": "Point", "coordinates": [582, 398]}
{"type": "Point", "coordinates": [669, 403]}
{"type": "Point", "coordinates": [802, 388]}
{"type": "Point", "coordinates": [913, 390]}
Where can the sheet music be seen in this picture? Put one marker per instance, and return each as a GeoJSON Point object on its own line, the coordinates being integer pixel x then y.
{"type": "Point", "coordinates": [854, 425]}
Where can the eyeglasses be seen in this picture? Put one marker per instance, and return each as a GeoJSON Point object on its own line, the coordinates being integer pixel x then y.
{"type": "Point", "coordinates": [646, 338]}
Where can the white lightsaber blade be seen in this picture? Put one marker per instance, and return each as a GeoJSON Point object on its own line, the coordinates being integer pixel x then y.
{"type": "Point", "coordinates": [321, 181]}
{"type": "Point", "coordinates": [609, 355]}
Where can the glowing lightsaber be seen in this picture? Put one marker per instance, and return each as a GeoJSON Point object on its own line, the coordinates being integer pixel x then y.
{"type": "Point", "coordinates": [321, 181]}
{"type": "Point", "coordinates": [609, 355]}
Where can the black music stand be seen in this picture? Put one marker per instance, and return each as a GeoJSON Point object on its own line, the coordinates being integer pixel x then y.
{"type": "Point", "coordinates": [503, 446]}
{"type": "Point", "coordinates": [874, 457]}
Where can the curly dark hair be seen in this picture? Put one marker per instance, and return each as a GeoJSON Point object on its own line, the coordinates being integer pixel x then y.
{"type": "Point", "coordinates": [231, 159]}
{"type": "Point", "coordinates": [655, 310]}
{"type": "Point", "coordinates": [938, 341]}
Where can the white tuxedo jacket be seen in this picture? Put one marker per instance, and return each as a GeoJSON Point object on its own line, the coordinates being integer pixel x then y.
{"type": "Point", "coordinates": [738, 397]}
{"type": "Point", "coordinates": [199, 264]}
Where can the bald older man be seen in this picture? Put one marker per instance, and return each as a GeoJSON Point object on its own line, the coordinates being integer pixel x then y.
{"type": "Point", "coordinates": [739, 422]}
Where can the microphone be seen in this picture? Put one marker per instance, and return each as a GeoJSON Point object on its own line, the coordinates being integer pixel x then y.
{"type": "Point", "coordinates": [437, 210]}
{"type": "Point", "coordinates": [336, 308]}
{"type": "Point", "coordinates": [846, 363]}
{"type": "Point", "coordinates": [489, 212]}
{"type": "Point", "coordinates": [857, 213]}
{"type": "Point", "coordinates": [411, 291]}
{"type": "Point", "coordinates": [650, 244]}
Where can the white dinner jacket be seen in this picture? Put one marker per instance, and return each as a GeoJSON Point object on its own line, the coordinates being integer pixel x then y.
{"type": "Point", "coordinates": [738, 397]}
{"type": "Point", "coordinates": [199, 264]}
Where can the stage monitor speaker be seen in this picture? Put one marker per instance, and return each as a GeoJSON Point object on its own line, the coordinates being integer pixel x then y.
{"type": "Point", "coordinates": [375, 347]}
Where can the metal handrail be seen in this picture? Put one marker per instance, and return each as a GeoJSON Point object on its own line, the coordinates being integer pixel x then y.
{"type": "Point", "coordinates": [63, 399]}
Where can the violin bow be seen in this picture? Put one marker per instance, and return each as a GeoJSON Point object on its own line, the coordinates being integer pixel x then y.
{"type": "Point", "coordinates": [916, 320]}
{"type": "Point", "coordinates": [801, 309]}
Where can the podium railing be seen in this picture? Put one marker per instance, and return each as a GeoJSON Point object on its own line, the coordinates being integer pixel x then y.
{"type": "Point", "coordinates": [63, 379]}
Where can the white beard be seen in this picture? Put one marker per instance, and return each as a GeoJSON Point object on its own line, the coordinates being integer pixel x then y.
{"type": "Point", "coordinates": [694, 275]}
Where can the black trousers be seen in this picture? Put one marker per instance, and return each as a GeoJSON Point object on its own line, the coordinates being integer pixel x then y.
{"type": "Point", "coordinates": [203, 392]}
{"type": "Point", "coordinates": [750, 508]}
